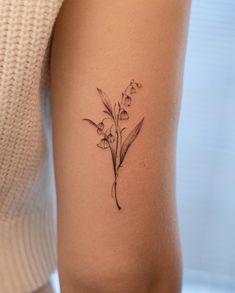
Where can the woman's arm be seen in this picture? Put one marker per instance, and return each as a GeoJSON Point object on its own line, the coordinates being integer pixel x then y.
{"type": "Point", "coordinates": [117, 224]}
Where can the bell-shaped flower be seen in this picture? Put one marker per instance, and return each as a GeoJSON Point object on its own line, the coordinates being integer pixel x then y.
{"type": "Point", "coordinates": [127, 101]}
{"type": "Point", "coordinates": [101, 125]}
{"type": "Point", "coordinates": [100, 128]}
{"type": "Point", "coordinates": [124, 115]}
{"type": "Point", "coordinates": [111, 138]}
{"type": "Point", "coordinates": [99, 131]}
{"type": "Point", "coordinates": [132, 90]}
{"type": "Point", "coordinates": [103, 144]}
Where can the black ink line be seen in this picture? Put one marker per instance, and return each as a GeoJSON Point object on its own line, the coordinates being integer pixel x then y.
{"type": "Point", "coordinates": [113, 139]}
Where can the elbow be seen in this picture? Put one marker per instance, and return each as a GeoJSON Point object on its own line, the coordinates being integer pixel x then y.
{"type": "Point", "coordinates": [119, 277]}
{"type": "Point", "coordinates": [114, 280]}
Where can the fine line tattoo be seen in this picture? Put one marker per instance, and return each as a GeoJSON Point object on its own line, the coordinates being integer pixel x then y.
{"type": "Point", "coordinates": [111, 130]}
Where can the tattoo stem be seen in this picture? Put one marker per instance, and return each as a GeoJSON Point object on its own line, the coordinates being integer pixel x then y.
{"type": "Point", "coordinates": [115, 193]}
{"type": "Point", "coordinates": [117, 149]}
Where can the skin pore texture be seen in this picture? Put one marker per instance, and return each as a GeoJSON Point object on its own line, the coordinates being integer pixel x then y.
{"type": "Point", "coordinates": [100, 47]}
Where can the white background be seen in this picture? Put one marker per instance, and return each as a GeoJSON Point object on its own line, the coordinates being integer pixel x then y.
{"type": "Point", "coordinates": [206, 150]}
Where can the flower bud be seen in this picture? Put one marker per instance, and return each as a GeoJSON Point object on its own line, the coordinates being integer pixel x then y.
{"type": "Point", "coordinates": [103, 144]}
{"type": "Point", "coordinates": [124, 115]}
{"type": "Point", "coordinates": [132, 81]}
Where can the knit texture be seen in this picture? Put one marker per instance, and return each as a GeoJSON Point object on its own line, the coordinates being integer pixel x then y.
{"type": "Point", "coordinates": [27, 213]}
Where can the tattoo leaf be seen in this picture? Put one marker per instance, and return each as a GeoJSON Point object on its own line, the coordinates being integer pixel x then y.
{"type": "Point", "coordinates": [122, 130]}
{"type": "Point", "coordinates": [106, 101]}
{"type": "Point", "coordinates": [113, 154]}
{"type": "Point", "coordinates": [107, 112]}
{"type": "Point", "coordinates": [129, 140]}
{"type": "Point", "coordinates": [91, 122]}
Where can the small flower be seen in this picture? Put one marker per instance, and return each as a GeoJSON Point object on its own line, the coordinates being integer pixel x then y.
{"type": "Point", "coordinates": [111, 138]}
{"type": "Point", "coordinates": [101, 126]}
{"type": "Point", "coordinates": [132, 90]}
{"type": "Point", "coordinates": [103, 144]}
{"type": "Point", "coordinates": [127, 101]}
{"type": "Point", "coordinates": [99, 131]}
{"type": "Point", "coordinates": [124, 115]}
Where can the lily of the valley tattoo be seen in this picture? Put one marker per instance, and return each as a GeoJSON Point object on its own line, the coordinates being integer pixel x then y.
{"type": "Point", "coordinates": [111, 129]}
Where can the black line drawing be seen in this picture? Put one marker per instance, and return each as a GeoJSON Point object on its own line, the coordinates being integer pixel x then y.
{"type": "Point", "coordinates": [111, 130]}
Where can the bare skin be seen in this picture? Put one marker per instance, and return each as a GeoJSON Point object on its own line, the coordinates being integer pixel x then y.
{"type": "Point", "coordinates": [130, 244]}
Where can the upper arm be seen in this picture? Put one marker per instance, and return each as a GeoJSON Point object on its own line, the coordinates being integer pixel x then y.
{"type": "Point", "coordinates": [105, 44]}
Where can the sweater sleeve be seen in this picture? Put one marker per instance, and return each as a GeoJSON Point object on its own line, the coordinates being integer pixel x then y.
{"type": "Point", "coordinates": [27, 207]}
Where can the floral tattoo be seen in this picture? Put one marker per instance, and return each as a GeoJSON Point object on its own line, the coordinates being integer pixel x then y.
{"type": "Point", "coordinates": [111, 129]}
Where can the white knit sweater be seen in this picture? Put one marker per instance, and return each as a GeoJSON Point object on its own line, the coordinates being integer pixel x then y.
{"type": "Point", "coordinates": [27, 218]}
